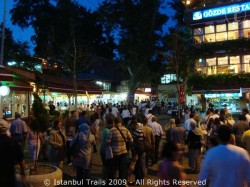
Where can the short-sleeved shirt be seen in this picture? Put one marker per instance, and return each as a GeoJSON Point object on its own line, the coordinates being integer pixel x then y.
{"type": "Point", "coordinates": [117, 142]}
{"type": "Point", "coordinates": [226, 165]}
{"type": "Point", "coordinates": [11, 154]}
{"type": "Point", "coordinates": [18, 127]}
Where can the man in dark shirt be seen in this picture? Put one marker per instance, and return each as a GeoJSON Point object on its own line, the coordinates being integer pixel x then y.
{"type": "Point", "coordinates": [11, 154]}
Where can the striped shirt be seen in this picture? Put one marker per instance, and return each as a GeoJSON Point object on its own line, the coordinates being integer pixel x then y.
{"type": "Point", "coordinates": [116, 140]}
{"type": "Point", "coordinates": [138, 134]}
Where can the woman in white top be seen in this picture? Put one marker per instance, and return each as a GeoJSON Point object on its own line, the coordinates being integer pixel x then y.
{"type": "Point", "coordinates": [34, 144]}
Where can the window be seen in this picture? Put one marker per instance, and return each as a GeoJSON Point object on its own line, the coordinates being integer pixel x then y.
{"type": "Point", "coordinates": [246, 24]}
{"type": "Point", "coordinates": [233, 26]}
{"type": "Point", "coordinates": [221, 65]}
{"type": "Point", "coordinates": [246, 59]}
{"type": "Point", "coordinates": [210, 38]}
{"type": "Point", "coordinates": [234, 60]}
{"type": "Point", "coordinates": [221, 36]}
{"type": "Point", "coordinates": [168, 78]}
{"type": "Point", "coordinates": [198, 31]}
{"type": "Point", "coordinates": [211, 62]}
{"type": "Point", "coordinates": [209, 29]}
{"type": "Point", "coordinates": [198, 35]}
{"type": "Point", "coordinates": [223, 61]}
{"type": "Point", "coordinates": [221, 28]}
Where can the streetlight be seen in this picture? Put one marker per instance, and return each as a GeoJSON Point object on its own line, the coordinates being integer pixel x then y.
{"type": "Point", "coordinates": [3, 33]}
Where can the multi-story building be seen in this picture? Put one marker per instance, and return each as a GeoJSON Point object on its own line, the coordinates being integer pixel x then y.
{"type": "Point", "coordinates": [221, 36]}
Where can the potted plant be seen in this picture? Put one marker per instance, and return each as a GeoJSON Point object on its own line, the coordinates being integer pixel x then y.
{"type": "Point", "coordinates": [39, 123]}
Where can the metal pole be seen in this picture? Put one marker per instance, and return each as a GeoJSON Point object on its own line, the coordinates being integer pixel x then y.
{"type": "Point", "coordinates": [3, 33]}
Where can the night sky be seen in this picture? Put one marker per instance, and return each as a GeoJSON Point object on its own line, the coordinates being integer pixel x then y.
{"type": "Point", "coordinates": [24, 35]}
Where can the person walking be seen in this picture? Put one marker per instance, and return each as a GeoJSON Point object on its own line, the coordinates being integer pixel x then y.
{"type": "Point", "coordinates": [169, 167]}
{"type": "Point", "coordinates": [150, 139]}
{"type": "Point", "coordinates": [194, 142]}
{"type": "Point", "coordinates": [158, 133]}
{"type": "Point", "coordinates": [18, 130]}
{"type": "Point", "coordinates": [226, 164]}
{"type": "Point", "coordinates": [11, 153]}
{"type": "Point", "coordinates": [245, 139]}
{"type": "Point", "coordinates": [239, 128]}
{"type": "Point", "coordinates": [105, 134]}
{"type": "Point", "coordinates": [118, 138]}
{"type": "Point", "coordinates": [179, 136]}
{"type": "Point", "coordinates": [34, 144]}
{"type": "Point", "coordinates": [82, 160]}
{"type": "Point", "coordinates": [137, 164]}
{"type": "Point", "coordinates": [57, 142]}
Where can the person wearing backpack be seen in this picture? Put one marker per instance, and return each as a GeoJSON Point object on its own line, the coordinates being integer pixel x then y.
{"type": "Point", "coordinates": [137, 149]}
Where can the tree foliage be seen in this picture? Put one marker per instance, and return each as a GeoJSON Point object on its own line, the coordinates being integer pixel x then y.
{"type": "Point", "coordinates": [65, 32]}
{"type": "Point", "coordinates": [40, 119]}
{"type": "Point", "coordinates": [137, 25]}
{"type": "Point", "coordinates": [16, 51]}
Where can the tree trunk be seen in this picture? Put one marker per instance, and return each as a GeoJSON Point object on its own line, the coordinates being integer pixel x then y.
{"type": "Point", "coordinates": [36, 150]}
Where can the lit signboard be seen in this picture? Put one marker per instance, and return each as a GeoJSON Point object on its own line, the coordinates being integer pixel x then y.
{"type": "Point", "coordinates": [223, 95]}
{"type": "Point", "coordinates": [224, 10]}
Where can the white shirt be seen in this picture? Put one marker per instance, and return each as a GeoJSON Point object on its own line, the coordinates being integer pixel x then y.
{"type": "Point", "coordinates": [156, 127]}
{"type": "Point", "coordinates": [226, 166]}
{"type": "Point", "coordinates": [149, 118]}
{"type": "Point", "coordinates": [115, 111]}
{"type": "Point", "coordinates": [187, 124]}
{"type": "Point", "coordinates": [125, 113]}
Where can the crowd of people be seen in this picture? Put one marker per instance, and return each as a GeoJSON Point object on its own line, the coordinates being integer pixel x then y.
{"type": "Point", "coordinates": [129, 142]}
{"type": "Point", "coordinates": [222, 142]}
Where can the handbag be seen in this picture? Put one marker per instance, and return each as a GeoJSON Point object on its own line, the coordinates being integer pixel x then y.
{"type": "Point", "coordinates": [108, 152]}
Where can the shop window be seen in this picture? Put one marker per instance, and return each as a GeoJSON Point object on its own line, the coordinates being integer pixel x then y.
{"type": "Point", "coordinates": [223, 61]}
{"type": "Point", "coordinates": [234, 60]}
{"type": "Point", "coordinates": [234, 68]}
{"type": "Point", "coordinates": [246, 68]}
{"type": "Point", "coordinates": [246, 59]}
{"type": "Point", "coordinates": [221, 36]}
{"type": "Point", "coordinates": [211, 70]}
{"type": "Point", "coordinates": [211, 62]}
{"type": "Point", "coordinates": [223, 70]}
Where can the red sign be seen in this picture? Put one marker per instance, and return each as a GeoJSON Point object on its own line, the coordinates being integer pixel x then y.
{"type": "Point", "coordinates": [182, 94]}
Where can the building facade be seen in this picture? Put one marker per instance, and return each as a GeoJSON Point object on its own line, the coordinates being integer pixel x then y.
{"type": "Point", "coordinates": [221, 34]}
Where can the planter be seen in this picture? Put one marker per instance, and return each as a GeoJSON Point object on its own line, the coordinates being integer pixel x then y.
{"type": "Point", "coordinates": [45, 180]}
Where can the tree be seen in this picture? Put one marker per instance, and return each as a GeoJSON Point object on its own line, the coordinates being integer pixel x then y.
{"type": "Point", "coordinates": [180, 52]}
{"type": "Point", "coordinates": [39, 121]}
{"type": "Point", "coordinates": [65, 32]}
{"type": "Point", "coordinates": [138, 27]}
